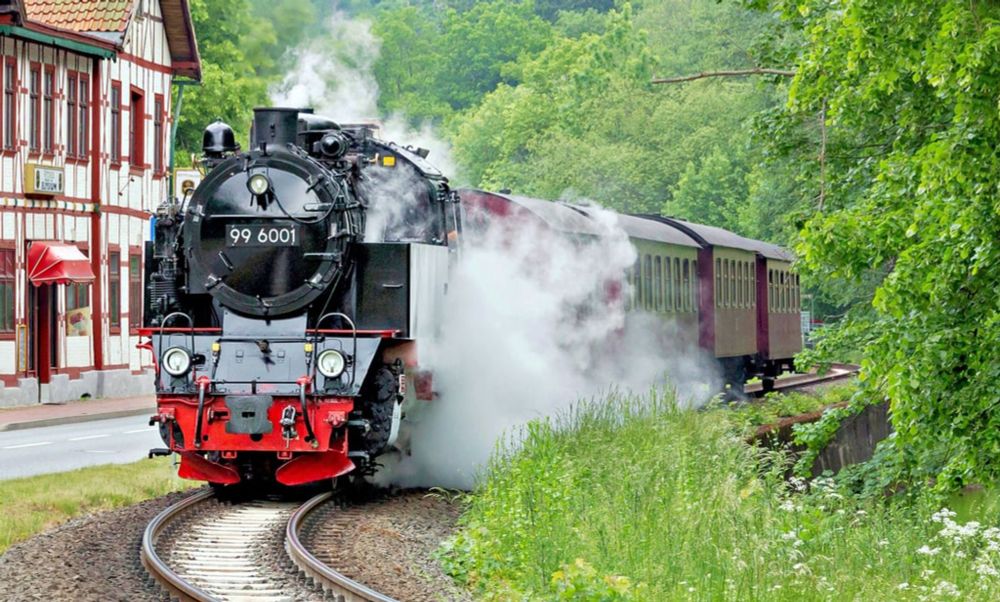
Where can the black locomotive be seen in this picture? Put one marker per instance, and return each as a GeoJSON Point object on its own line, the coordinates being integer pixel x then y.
{"type": "Point", "coordinates": [285, 296]}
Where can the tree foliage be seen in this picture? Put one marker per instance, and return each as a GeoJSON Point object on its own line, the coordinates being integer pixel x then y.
{"type": "Point", "coordinates": [910, 87]}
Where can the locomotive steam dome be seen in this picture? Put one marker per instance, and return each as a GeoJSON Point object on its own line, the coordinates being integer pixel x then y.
{"type": "Point", "coordinates": [267, 232]}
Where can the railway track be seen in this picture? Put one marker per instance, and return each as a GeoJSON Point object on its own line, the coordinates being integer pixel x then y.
{"type": "Point", "coordinates": [203, 549]}
{"type": "Point", "coordinates": [837, 372]}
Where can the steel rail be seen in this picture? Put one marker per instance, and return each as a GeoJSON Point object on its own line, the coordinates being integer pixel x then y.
{"type": "Point", "coordinates": [837, 372]}
{"type": "Point", "coordinates": [164, 575]}
{"type": "Point", "coordinates": [346, 588]}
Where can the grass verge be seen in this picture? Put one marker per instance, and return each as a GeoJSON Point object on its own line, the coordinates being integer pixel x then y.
{"type": "Point", "coordinates": [32, 504]}
{"type": "Point", "coordinates": [633, 499]}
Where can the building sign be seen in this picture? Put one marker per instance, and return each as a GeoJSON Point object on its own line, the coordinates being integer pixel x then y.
{"type": "Point", "coordinates": [43, 179]}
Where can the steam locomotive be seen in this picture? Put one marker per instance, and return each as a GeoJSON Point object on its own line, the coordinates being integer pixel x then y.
{"type": "Point", "coordinates": [285, 296]}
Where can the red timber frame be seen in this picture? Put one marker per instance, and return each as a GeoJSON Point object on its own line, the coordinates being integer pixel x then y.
{"type": "Point", "coordinates": [96, 246]}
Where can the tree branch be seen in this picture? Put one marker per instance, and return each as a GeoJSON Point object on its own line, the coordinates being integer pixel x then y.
{"type": "Point", "coordinates": [735, 73]}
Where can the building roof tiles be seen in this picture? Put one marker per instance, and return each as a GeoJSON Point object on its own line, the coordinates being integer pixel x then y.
{"type": "Point", "coordinates": [81, 15]}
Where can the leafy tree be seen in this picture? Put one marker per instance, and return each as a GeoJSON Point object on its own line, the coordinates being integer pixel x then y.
{"type": "Point", "coordinates": [231, 83]}
{"type": "Point", "coordinates": [910, 87]}
{"type": "Point", "coordinates": [477, 45]}
{"type": "Point", "coordinates": [409, 62]}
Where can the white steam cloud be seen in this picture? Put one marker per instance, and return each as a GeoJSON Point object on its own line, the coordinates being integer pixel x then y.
{"type": "Point", "coordinates": [527, 328]}
{"type": "Point", "coordinates": [528, 331]}
{"type": "Point", "coordinates": [335, 74]}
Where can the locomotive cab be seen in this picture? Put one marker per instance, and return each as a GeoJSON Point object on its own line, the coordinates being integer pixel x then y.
{"type": "Point", "coordinates": [285, 297]}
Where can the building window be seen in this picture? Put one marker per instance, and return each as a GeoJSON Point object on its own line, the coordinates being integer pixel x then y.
{"type": "Point", "coordinates": [9, 104]}
{"type": "Point", "coordinates": [158, 134]}
{"type": "Point", "coordinates": [7, 275]}
{"type": "Point", "coordinates": [84, 121]}
{"type": "Point", "coordinates": [134, 291]}
{"type": "Point", "coordinates": [48, 110]}
{"type": "Point", "coordinates": [35, 108]}
{"type": "Point", "coordinates": [116, 122]}
{"type": "Point", "coordinates": [77, 296]}
{"type": "Point", "coordinates": [135, 131]}
{"type": "Point", "coordinates": [115, 289]}
{"type": "Point", "coordinates": [71, 114]}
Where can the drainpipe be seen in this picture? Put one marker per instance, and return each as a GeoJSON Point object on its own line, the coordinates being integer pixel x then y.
{"type": "Point", "coordinates": [181, 84]}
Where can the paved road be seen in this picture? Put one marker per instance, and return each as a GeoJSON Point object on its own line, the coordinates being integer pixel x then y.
{"type": "Point", "coordinates": [65, 447]}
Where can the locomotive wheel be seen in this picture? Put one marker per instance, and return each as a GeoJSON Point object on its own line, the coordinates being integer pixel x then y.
{"type": "Point", "coordinates": [378, 399]}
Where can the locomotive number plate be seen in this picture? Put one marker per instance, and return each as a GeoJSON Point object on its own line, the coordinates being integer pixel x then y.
{"type": "Point", "coordinates": [262, 235]}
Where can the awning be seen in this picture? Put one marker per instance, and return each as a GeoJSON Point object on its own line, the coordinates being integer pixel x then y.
{"type": "Point", "coordinates": [57, 263]}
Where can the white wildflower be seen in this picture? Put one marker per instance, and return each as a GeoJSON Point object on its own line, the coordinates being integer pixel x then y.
{"type": "Point", "coordinates": [787, 506]}
{"type": "Point", "coordinates": [793, 534]}
{"type": "Point", "coordinates": [929, 551]}
{"type": "Point", "coordinates": [986, 570]}
{"type": "Point", "coordinates": [883, 543]}
{"type": "Point", "coordinates": [860, 513]}
{"type": "Point", "coordinates": [942, 514]}
{"type": "Point", "coordinates": [926, 573]}
{"type": "Point", "coordinates": [903, 586]}
{"type": "Point", "coordinates": [946, 588]}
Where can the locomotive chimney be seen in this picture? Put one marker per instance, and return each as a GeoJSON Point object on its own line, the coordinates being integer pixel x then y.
{"type": "Point", "coordinates": [275, 126]}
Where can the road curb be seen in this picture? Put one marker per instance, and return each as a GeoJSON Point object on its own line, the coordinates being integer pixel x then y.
{"type": "Point", "coordinates": [30, 424]}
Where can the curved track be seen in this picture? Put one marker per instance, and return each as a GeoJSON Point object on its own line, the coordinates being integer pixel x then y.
{"type": "Point", "coordinates": [804, 381]}
{"type": "Point", "coordinates": [202, 550]}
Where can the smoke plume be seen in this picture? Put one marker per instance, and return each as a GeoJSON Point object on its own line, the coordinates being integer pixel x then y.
{"type": "Point", "coordinates": [528, 328]}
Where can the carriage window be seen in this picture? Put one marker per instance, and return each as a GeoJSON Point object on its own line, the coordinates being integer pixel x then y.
{"type": "Point", "coordinates": [770, 290]}
{"type": "Point", "coordinates": [648, 280]}
{"type": "Point", "coordinates": [668, 283]}
{"type": "Point", "coordinates": [784, 291]}
{"type": "Point", "coordinates": [695, 284]}
{"type": "Point", "coordinates": [658, 282]}
{"type": "Point", "coordinates": [718, 283]}
{"type": "Point", "coordinates": [687, 285]}
{"type": "Point", "coordinates": [798, 294]}
{"type": "Point", "coordinates": [752, 286]}
{"type": "Point", "coordinates": [637, 283]}
{"type": "Point", "coordinates": [678, 305]}
{"type": "Point", "coordinates": [740, 284]}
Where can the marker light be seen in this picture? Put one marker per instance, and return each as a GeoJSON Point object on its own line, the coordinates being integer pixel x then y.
{"type": "Point", "coordinates": [331, 363]}
{"type": "Point", "coordinates": [176, 361]}
{"type": "Point", "coordinates": [259, 184]}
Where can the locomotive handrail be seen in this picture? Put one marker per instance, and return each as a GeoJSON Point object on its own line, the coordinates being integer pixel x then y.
{"type": "Point", "coordinates": [159, 340]}
{"type": "Point", "coordinates": [354, 336]}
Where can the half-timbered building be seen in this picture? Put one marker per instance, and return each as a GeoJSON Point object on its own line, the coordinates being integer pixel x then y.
{"type": "Point", "coordinates": [85, 119]}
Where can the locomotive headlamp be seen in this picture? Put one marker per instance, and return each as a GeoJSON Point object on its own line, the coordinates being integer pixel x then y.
{"type": "Point", "coordinates": [259, 184]}
{"type": "Point", "coordinates": [176, 361]}
{"type": "Point", "coordinates": [331, 363]}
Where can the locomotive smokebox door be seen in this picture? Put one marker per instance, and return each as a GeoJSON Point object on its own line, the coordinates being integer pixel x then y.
{"type": "Point", "coordinates": [248, 414]}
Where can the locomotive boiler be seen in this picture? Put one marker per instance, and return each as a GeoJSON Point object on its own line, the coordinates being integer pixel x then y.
{"type": "Point", "coordinates": [285, 298]}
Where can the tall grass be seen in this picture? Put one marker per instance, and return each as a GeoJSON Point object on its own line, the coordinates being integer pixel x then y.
{"type": "Point", "coordinates": [631, 498]}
